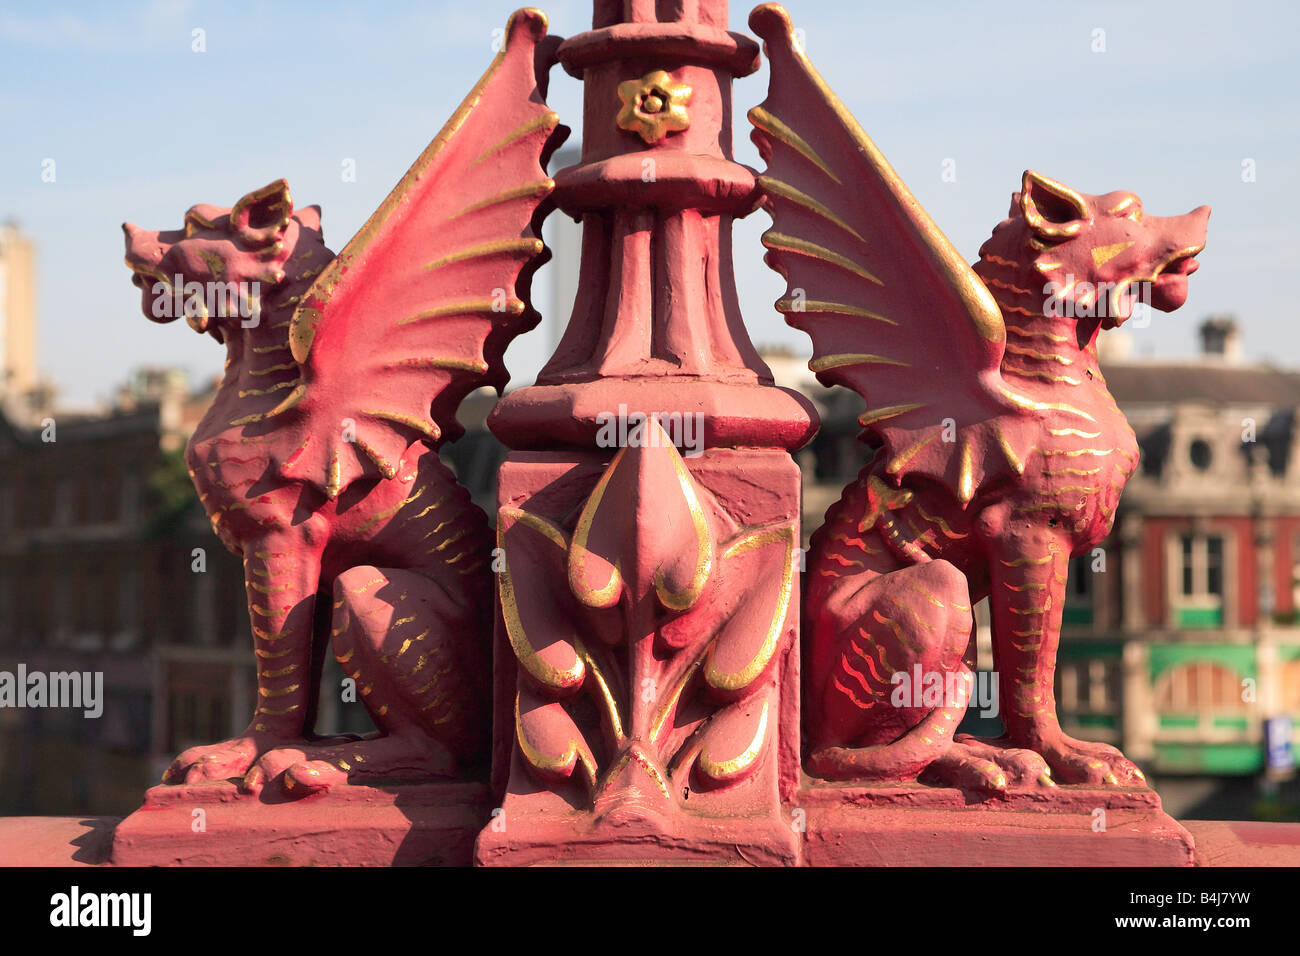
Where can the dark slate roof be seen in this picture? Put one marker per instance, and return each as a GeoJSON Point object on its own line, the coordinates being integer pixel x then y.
{"type": "Point", "coordinates": [1150, 383]}
{"type": "Point", "coordinates": [1158, 382]}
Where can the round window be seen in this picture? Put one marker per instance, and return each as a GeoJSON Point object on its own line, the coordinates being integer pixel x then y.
{"type": "Point", "coordinates": [1201, 454]}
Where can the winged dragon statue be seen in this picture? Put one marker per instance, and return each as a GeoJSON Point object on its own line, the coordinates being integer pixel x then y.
{"type": "Point", "coordinates": [996, 452]}
{"type": "Point", "coordinates": [318, 460]}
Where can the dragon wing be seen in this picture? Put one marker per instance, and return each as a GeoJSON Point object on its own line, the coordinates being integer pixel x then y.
{"type": "Point", "coordinates": [418, 309]}
{"type": "Point", "coordinates": [893, 311]}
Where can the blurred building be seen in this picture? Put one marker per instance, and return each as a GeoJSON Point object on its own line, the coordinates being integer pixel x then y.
{"type": "Point", "coordinates": [108, 565]}
{"type": "Point", "coordinates": [1181, 632]}
{"type": "Point", "coordinates": [1181, 635]}
{"type": "Point", "coordinates": [23, 397]}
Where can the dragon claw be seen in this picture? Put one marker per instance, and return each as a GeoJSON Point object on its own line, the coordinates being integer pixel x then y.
{"type": "Point", "coordinates": [1094, 764]}
{"type": "Point", "coordinates": [254, 780]}
{"type": "Point", "coordinates": [313, 777]}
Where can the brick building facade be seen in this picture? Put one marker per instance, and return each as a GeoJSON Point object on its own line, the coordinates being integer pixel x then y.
{"type": "Point", "coordinates": [100, 539]}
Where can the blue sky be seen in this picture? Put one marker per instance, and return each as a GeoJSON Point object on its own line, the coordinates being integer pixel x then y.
{"type": "Point", "coordinates": [140, 127]}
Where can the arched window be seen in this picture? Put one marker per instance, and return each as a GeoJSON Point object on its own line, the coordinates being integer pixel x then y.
{"type": "Point", "coordinates": [1199, 686]}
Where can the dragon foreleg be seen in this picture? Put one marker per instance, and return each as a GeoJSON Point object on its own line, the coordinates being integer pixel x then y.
{"type": "Point", "coordinates": [1028, 578]}
{"type": "Point", "coordinates": [281, 577]}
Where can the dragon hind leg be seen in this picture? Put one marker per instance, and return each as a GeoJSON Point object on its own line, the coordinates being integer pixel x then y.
{"type": "Point", "coordinates": [897, 680]}
{"type": "Point", "coordinates": [410, 647]}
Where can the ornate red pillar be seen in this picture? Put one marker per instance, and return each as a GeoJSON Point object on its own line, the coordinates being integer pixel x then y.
{"type": "Point", "coordinates": [646, 652]}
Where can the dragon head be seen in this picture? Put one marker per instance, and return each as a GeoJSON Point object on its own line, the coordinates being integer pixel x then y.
{"type": "Point", "coordinates": [223, 265]}
{"type": "Point", "coordinates": [1098, 255]}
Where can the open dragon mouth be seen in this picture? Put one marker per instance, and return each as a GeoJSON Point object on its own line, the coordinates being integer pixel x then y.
{"type": "Point", "coordinates": [1169, 290]}
{"type": "Point", "coordinates": [1184, 265]}
{"type": "Point", "coordinates": [1164, 289]}
{"type": "Point", "coordinates": [147, 280]}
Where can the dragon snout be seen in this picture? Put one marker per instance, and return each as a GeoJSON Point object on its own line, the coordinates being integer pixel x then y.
{"type": "Point", "coordinates": [143, 249]}
{"type": "Point", "coordinates": [1180, 240]}
{"type": "Point", "coordinates": [144, 254]}
{"type": "Point", "coordinates": [1185, 234]}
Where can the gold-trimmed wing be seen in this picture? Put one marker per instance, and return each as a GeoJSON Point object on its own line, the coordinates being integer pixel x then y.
{"type": "Point", "coordinates": [892, 309]}
{"type": "Point", "coordinates": [418, 309]}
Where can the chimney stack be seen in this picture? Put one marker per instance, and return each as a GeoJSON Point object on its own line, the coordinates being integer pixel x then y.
{"type": "Point", "coordinates": [1221, 339]}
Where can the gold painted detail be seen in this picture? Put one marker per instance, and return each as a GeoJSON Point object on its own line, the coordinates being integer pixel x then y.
{"type": "Point", "coordinates": [484, 307]}
{"type": "Point", "coordinates": [827, 362]}
{"type": "Point", "coordinates": [784, 535]}
{"type": "Point", "coordinates": [1041, 356]}
{"type": "Point", "coordinates": [534, 190]}
{"type": "Point", "coordinates": [791, 307]}
{"type": "Point", "coordinates": [1008, 452]}
{"type": "Point", "coordinates": [654, 106]}
{"type": "Point", "coordinates": [426, 428]}
{"type": "Point", "coordinates": [899, 461]}
{"type": "Point", "coordinates": [544, 121]}
{"type": "Point", "coordinates": [1009, 286]}
{"type": "Point", "coordinates": [549, 675]}
{"type": "Point", "coordinates": [776, 128]}
{"type": "Point", "coordinates": [607, 594]}
{"type": "Point", "coordinates": [873, 415]}
{"type": "Point", "coordinates": [727, 769]}
{"type": "Point", "coordinates": [1103, 254]}
{"type": "Point", "coordinates": [780, 242]}
{"type": "Point", "coordinates": [783, 189]}
{"type": "Point", "coordinates": [522, 247]}
{"type": "Point", "coordinates": [1029, 404]}
{"type": "Point", "coordinates": [966, 478]}
{"type": "Point", "coordinates": [1042, 376]}
{"type": "Point", "coordinates": [577, 754]}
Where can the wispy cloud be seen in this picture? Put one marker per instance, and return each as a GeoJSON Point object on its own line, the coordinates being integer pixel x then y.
{"type": "Point", "coordinates": [107, 32]}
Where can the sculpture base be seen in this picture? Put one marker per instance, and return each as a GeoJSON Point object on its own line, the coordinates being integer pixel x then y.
{"type": "Point", "coordinates": [915, 825]}
{"type": "Point", "coordinates": [428, 824]}
{"type": "Point", "coordinates": [844, 825]}
{"type": "Point", "coordinates": [547, 838]}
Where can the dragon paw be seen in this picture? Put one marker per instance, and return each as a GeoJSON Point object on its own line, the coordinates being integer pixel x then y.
{"type": "Point", "coordinates": [1082, 762]}
{"type": "Point", "coordinates": [296, 776]}
{"type": "Point", "coordinates": [221, 761]}
{"type": "Point", "coordinates": [990, 767]}
{"type": "Point", "coordinates": [300, 770]}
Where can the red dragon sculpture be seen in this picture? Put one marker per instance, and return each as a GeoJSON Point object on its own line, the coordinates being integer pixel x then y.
{"type": "Point", "coordinates": [317, 462]}
{"type": "Point", "coordinates": [998, 451]}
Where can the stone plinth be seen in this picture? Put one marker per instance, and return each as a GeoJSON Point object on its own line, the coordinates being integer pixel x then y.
{"type": "Point", "coordinates": [667, 760]}
{"type": "Point", "coordinates": [82, 841]}
{"type": "Point", "coordinates": [916, 825]}
{"type": "Point", "coordinates": [213, 824]}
